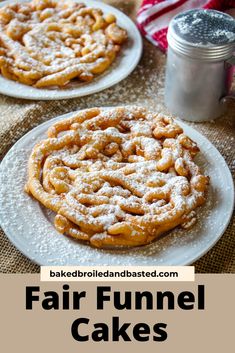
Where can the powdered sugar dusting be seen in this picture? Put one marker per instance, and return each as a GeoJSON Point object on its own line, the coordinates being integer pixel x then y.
{"type": "Point", "coordinates": [121, 68]}
{"type": "Point", "coordinates": [28, 226]}
{"type": "Point", "coordinates": [205, 27]}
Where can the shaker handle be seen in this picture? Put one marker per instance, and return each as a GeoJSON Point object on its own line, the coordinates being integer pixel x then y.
{"type": "Point", "coordinates": [231, 95]}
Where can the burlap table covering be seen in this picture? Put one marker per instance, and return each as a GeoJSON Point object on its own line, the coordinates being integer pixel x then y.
{"type": "Point", "coordinates": [145, 86]}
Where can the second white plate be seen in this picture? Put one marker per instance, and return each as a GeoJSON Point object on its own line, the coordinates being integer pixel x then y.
{"type": "Point", "coordinates": [124, 64]}
{"type": "Point", "coordinates": [30, 229]}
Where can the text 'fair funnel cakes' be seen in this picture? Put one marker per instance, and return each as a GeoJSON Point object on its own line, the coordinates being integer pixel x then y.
{"type": "Point", "coordinates": [47, 43]}
{"type": "Point", "coordinates": [117, 176]}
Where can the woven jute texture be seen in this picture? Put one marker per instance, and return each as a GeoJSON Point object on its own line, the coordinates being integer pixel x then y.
{"type": "Point", "coordinates": [144, 87]}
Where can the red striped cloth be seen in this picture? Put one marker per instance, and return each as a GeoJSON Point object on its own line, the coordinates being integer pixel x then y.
{"type": "Point", "coordinates": [154, 15]}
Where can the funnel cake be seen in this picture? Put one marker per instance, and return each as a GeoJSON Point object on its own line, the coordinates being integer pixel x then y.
{"type": "Point", "coordinates": [117, 176]}
{"type": "Point", "coordinates": [49, 43]}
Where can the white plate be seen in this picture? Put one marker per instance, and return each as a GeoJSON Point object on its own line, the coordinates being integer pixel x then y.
{"type": "Point", "coordinates": [124, 64]}
{"type": "Point", "coordinates": [29, 227]}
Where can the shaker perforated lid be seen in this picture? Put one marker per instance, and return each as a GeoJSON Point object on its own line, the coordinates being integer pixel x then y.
{"type": "Point", "coordinates": [204, 34]}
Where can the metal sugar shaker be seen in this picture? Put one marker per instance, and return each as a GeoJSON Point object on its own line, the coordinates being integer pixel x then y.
{"type": "Point", "coordinates": [200, 61]}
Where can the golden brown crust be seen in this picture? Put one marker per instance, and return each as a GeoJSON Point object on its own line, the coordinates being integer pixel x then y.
{"type": "Point", "coordinates": [111, 181]}
{"type": "Point", "coordinates": [49, 43]}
